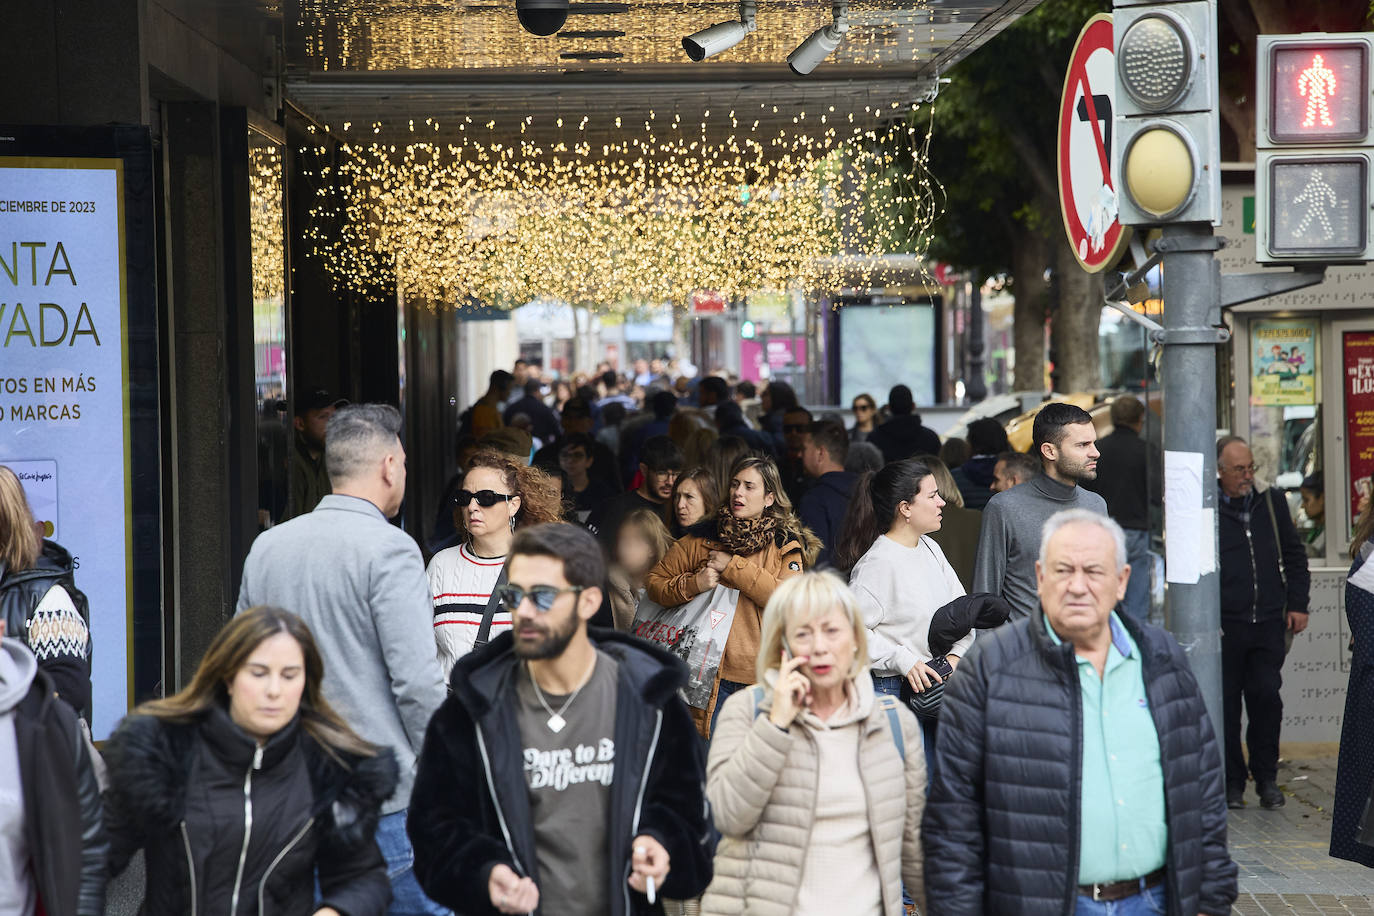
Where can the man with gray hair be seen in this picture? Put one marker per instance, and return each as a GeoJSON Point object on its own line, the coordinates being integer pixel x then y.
{"type": "Point", "coordinates": [1105, 798]}
{"type": "Point", "coordinates": [359, 584]}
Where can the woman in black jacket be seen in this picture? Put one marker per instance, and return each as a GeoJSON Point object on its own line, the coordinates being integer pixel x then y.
{"type": "Point", "coordinates": [246, 786]}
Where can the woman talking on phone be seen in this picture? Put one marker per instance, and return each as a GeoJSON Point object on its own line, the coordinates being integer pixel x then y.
{"type": "Point", "coordinates": [815, 754]}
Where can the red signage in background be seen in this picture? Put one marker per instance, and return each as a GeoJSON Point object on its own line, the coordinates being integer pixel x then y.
{"type": "Point", "coordinates": [707, 302]}
{"type": "Point", "coordinates": [1358, 347]}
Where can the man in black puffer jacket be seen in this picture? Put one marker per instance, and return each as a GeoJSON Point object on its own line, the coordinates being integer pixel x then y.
{"type": "Point", "coordinates": [1076, 762]}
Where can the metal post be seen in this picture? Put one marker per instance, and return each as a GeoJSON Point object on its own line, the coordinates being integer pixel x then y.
{"type": "Point", "coordinates": [1192, 305]}
{"type": "Point", "coordinates": [976, 388]}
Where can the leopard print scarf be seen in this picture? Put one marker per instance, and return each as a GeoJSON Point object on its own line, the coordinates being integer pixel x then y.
{"type": "Point", "coordinates": [745, 537]}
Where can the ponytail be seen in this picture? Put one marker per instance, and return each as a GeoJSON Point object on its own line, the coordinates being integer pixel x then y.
{"type": "Point", "coordinates": [874, 506]}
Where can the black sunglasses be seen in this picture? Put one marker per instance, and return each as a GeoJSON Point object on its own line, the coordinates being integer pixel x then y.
{"type": "Point", "coordinates": [485, 498]}
{"type": "Point", "coordinates": [541, 596]}
{"type": "Point", "coordinates": [858, 407]}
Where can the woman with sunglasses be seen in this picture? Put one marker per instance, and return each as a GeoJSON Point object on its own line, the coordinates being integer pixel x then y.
{"type": "Point", "coordinates": [498, 497]}
{"type": "Point", "coordinates": [754, 542]}
{"type": "Point", "coordinates": [865, 418]}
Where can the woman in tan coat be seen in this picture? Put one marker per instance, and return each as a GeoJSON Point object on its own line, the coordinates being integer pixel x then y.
{"type": "Point", "coordinates": [817, 783]}
{"type": "Point", "coordinates": [754, 542]}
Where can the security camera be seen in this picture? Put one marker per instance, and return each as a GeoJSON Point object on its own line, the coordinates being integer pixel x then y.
{"type": "Point", "coordinates": [723, 35]}
{"type": "Point", "coordinates": [821, 43]}
{"type": "Point", "coordinates": [541, 17]}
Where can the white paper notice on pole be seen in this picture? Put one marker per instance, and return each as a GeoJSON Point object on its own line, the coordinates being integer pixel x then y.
{"type": "Point", "coordinates": [64, 386]}
{"type": "Point", "coordinates": [1207, 549]}
{"type": "Point", "coordinates": [1183, 521]}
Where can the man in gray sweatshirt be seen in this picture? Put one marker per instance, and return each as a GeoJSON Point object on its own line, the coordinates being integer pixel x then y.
{"type": "Point", "coordinates": [359, 584]}
{"type": "Point", "coordinates": [1066, 443]}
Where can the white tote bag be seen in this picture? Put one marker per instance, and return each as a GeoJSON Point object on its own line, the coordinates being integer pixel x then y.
{"type": "Point", "coordinates": [696, 633]}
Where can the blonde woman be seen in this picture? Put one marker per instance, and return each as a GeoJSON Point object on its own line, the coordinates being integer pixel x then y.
{"type": "Point", "coordinates": [816, 782]}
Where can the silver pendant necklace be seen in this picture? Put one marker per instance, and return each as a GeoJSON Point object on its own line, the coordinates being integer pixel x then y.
{"type": "Point", "coordinates": [556, 722]}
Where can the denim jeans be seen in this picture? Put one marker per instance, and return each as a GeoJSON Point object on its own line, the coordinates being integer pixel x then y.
{"type": "Point", "coordinates": [1137, 601]}
{"type": "Point", "coordinates": [1151, 902]}
{"type": "Point", "coordinates": [406, 897]}
{"type": "Point", "coordinates": [723, 693]}
{"type": "Point", "coordinates": [892, 686]}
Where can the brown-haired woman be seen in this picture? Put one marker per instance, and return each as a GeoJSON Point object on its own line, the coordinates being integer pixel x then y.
{"type": "Point", "coordinates": [38, 597]}
{"type": "Point", "coordinates": [246, 786]}
{"type": "Point", "coordinates": [642, 543]}
{"type": "Point", "coordinates": [499, 496]}
{"type": "Point", "coordinates": [752, 543]}
{"type": "Point", "coordinates": [696, 497]}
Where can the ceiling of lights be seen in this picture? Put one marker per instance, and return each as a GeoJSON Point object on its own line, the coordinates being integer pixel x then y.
{"type": "Point", "coordinates": [393, 70]}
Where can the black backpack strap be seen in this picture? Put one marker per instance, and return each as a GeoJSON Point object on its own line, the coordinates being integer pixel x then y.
{"type": "Point", "coordinates": [484, 631]}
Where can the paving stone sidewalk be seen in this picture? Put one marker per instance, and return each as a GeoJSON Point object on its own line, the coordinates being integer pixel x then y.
{"type": "Point", "coordinates": [1284, 866]}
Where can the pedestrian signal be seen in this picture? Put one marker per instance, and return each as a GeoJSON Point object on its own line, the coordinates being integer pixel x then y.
{"type": "Point", "coordinates": [1312, 168]}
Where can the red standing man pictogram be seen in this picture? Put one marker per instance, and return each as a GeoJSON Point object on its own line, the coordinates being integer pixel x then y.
{"type": "Point", "coordinates": [1316, 83]}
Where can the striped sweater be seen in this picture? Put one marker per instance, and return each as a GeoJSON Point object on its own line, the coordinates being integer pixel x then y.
{"type": "Point", "coordinates": [461, 584]}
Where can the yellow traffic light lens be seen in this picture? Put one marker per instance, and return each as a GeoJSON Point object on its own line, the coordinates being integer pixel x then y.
{"type": "Point", "coordinates": [1156, 61]}
{"type": "Point", "coordinates": [1159, 171]}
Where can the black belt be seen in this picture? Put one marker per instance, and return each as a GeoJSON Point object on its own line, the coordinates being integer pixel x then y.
{"type": "Point", "coordinates": [1120, 890]}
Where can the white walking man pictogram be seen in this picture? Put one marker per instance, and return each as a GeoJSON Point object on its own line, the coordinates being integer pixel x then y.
{"type": "Point", "coordinates": [1319, 197]}
{"type": "Point", "coordinates": [1316, 83]}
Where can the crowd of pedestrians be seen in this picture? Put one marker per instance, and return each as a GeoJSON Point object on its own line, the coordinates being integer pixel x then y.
{"type": "Point", "coordinates": [676, 647]}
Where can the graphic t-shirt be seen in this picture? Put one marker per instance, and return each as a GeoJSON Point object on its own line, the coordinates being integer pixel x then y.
{"type": "Point", "coordinates": [568, 774]}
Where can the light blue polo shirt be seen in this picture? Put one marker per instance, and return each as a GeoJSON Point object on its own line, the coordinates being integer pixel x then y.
{"type": "Point", "coordinates": [1124, 831]}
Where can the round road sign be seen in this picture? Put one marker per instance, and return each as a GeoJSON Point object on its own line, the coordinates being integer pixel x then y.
{"type": "Point", "coordinates": [1087, 187]}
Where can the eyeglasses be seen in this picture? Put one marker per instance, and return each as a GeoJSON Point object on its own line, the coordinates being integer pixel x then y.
{"type": "Point", "coordinates": [863, 407]}
{"type": "Point", "coordinates": [485, 498]}
{"type": "Point", "coordinates": [1242, 468]}
{"type": "Point", "coordinates": [541, 596]}
{"type": "Point", "coordinates": [795, 428]}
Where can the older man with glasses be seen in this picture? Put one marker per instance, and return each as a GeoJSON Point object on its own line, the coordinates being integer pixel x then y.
{"type": "Point", "coordinates": [1264, 592]}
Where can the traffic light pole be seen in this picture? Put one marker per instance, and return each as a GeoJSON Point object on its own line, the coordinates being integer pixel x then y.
{"type": "Point", "coordinates": [1194, 294]}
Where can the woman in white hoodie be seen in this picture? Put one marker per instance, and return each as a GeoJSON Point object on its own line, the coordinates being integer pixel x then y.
{"type": "Point", "coordinates": [901, 577]}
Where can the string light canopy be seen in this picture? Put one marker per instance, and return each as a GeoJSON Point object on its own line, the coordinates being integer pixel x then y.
{"type": "Point", "coordinates": [650, 217]}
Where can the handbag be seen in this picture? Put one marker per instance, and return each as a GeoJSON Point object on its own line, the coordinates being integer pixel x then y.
{"type": "Point", "coordinates": [696, 633]}
{"type": "Point", "coordinates": [926, 703]}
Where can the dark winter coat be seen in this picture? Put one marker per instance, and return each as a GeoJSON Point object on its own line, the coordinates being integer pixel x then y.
{"type": "Point", "coordinates": [974, 480]}
{"type": "Point", "coordinates": [1259, 578]}
{"type": "Point", "coordinates": [62, 823]}
{"type": "Point", "coordinates": [177, 792]}
{"type": "Point", "coordinates": [67, 662]}
{"type": "Point", "coordinates": [904, 437]}
{"type": "Point", "coordinates": [1128, 477]}
{"type": "Point", "coordinates": [1002, 827]}
{"type": "Point", "coordinates": [823, 507]}
{"type": "Point", "coordinates": [470, 810]}
{"type": "Point", "coordinates": [1355, 769]}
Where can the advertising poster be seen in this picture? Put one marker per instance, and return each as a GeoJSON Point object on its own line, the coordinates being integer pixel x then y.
{"type": "Point", "coordinates": [1283, 363]}
{"type": "Point", "coordinates": [1359, 415]}
{"type": "Point", "coordinates": [64, 383]}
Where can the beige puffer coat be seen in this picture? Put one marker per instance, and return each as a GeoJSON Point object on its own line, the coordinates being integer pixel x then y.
{"type": "Point", "coordinates": [763, 782]}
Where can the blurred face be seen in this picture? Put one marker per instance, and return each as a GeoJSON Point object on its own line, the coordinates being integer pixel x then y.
{"type": "Point", "coordinates": [1079, 581]}
{"type": "Point", "coordinates": [925, 511]}
{"type": "Point", "coordinates": [766, 401]}
{"type": "Point", "coordinates": [795, 427]}
{"type": "Point", "coordinates": [1001, 478]}
{"type": "Point", "coordinates": [748, 496]}
{"type": "Point", "coordinates": [1236, 470]}
{"type": "Point", "coordinates": [634, 552]}
{"type": "Point", "coordinates": [540, 634]}
{"type": "Point", "coordinates": [265, 694]}
{"type": "Point", "coordinates": [689, 507]}
{"type": "Point", "coordinates": [312, 425]}
{"type": "Point", "coordinates": [827, 643]}
{"type": "Point", "coordinates": [576, 424]}
{"type": "Point", "coordinates": [1075, 457]}
{"type": "Point", "coordinates": [1314, 505]}
{"type": "Point", "coordinates": [658, 484]}
{"type": "Point", "coordinates": [575, 461]}
{"type": "Point", "coordinates": [864, 409]}
{"type": "Point", "coordinates": [481, 521]}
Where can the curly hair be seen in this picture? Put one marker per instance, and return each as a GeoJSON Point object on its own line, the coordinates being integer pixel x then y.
{"type": "Point", "coordinates": [541, 494]}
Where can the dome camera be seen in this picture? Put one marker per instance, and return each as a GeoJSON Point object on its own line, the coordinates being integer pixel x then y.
{"type": "Point", "coordinates": [541, 17]}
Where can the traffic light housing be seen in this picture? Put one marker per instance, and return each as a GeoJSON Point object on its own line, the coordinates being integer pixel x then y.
{"type": "Point", "coordinates": [1166, 138]}
{"type": "Point", "coordinates": [1312, 165]}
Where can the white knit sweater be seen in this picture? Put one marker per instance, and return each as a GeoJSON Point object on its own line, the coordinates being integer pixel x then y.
{"type": "Point", "coordinates": [900, 589]}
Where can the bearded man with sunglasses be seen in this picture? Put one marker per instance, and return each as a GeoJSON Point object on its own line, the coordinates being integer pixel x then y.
{"type": "Point", "coordinates": [563, 773]}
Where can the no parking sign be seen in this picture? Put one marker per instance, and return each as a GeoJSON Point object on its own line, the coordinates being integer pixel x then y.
{"type": "Point", "coordinates": [1087, 187]}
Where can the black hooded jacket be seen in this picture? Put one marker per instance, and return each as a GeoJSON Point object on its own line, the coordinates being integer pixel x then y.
{"type": "Point", "coordinates": [904, 437]}
{"type": "Point", "coordinates": [1002, 827]}
{"type": "Point", "coordinates": [177, 792]}
{"type": "Point", "coordinates": [470, 810]}
{"type": "Point", "coordinates": [1260, 578]}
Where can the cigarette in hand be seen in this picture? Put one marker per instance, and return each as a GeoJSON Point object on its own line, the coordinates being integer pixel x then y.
{"type": "Point", "coordinates": [649, 890]}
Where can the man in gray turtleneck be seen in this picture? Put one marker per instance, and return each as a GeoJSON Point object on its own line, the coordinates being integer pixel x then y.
{"type": "Point", "coordinates": [1065, 442]}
